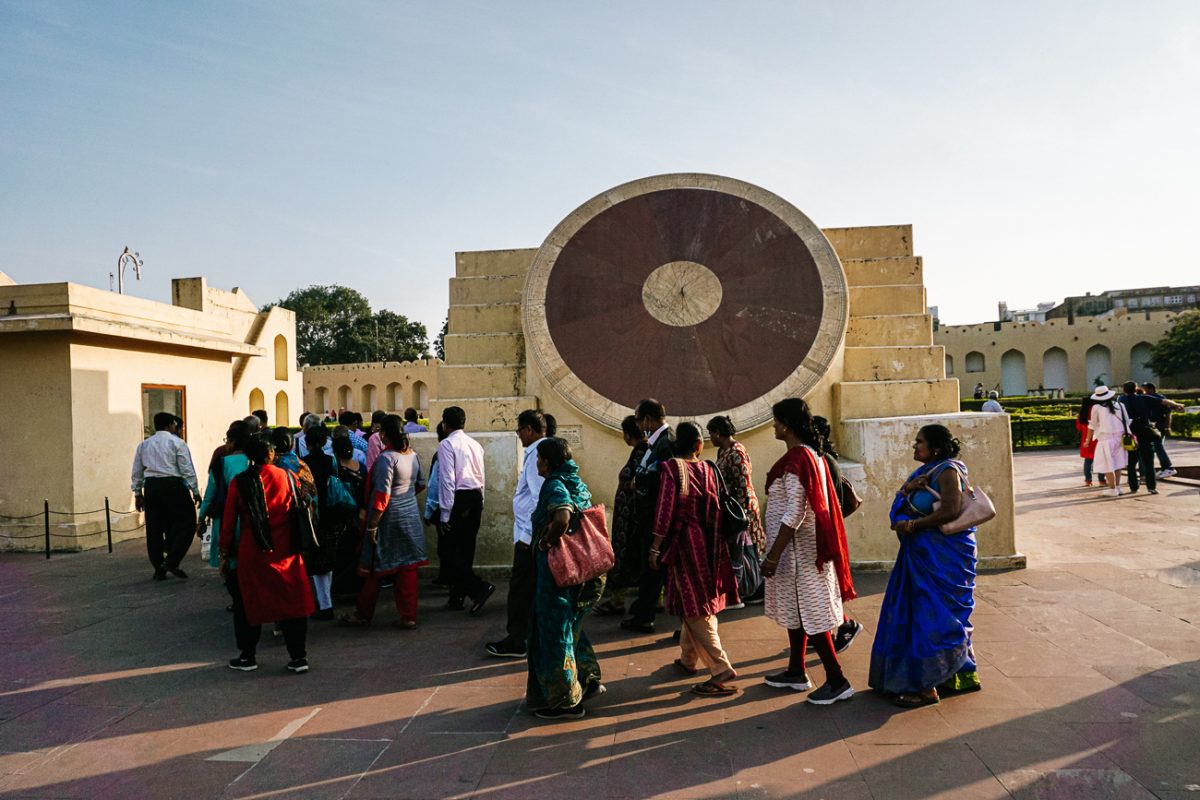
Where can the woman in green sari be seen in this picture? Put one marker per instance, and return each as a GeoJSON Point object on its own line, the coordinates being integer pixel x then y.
{"type": "Point", "coordinates": [563, 670]}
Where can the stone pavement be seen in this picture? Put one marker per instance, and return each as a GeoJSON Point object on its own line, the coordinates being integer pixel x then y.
{"type": "Point", "coordinates": [113, 686]}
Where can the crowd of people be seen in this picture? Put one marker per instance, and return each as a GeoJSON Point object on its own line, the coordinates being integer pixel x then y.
{"type": "Point", "coordinates": [295, 522]}
{"type": "Point", "coordinates": [1126, 433]}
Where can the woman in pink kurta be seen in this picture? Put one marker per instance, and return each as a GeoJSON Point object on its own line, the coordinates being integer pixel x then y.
{"type": "Point", "coordinates": [688, 544]}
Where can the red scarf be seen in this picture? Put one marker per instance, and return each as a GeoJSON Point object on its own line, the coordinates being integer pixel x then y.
{"type": "Point", "coordinates": [831, 530]}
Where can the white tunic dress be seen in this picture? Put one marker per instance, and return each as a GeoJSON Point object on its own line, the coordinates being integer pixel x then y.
{"type": "Point", "coordinates": [1108, 427]}
{"type": "Point", "coordinates": [799, 592]}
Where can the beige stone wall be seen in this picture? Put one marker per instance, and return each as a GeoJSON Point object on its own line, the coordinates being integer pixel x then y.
{"type": "Point", "coordinates": [106, 419]}
{"type": "Point", "coordinates": [36, 439]}
{"type": "Point", "coordinates": [1118, 334]}
{"type": "Point", "coordinates": [883, 448]}
{"type": "Point", "coordinates": [501, 464]}
{"type": "Point", "coordinates": [389, 386]}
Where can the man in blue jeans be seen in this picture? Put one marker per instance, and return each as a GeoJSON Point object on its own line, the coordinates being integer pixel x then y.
{"type": "Point", "coordinates": [1160, 417]}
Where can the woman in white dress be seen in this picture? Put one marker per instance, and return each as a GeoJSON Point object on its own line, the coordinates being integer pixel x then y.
{"type": "Point", "coordinates": [1108, 422]}
{"type": "Point", "coordinates": [806, 567]}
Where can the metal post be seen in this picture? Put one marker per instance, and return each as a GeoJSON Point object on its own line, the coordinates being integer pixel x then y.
{"type": "Point", "coordinates": [46, 506]}
{"type": "Point", "coordinates": [108, 524]}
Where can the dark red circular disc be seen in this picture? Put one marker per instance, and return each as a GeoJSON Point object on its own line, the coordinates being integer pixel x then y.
{"type": "Point", "coordinates": [768, 317]}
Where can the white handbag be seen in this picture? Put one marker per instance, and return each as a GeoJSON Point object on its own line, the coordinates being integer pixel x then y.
{"type": "Point", "coordinates": [977, 508]}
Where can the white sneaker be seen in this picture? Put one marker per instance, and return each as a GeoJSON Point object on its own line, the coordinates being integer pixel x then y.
{"type": "Point", "coordinates": [1112, 492]}
{"type": "Point", "coordinates": [1166, 473]}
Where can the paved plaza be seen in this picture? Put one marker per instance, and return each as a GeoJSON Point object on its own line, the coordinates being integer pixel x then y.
{"type": "Point", "coordinates": [114, 686]}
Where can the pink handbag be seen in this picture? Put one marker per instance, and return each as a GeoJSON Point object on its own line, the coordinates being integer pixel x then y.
{"type": "Point", "coordinates": [584, 552]}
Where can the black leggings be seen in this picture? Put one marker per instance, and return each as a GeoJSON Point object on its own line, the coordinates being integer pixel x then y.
{"type": "Point", "coordinates": [295, 630]}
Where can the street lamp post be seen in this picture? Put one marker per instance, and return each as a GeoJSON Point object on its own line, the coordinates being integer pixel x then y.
{"type": "Point", "coordinates": [128, 257]}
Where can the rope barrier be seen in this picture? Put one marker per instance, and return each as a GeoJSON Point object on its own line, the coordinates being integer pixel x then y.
{"type": "Point", "coordinates": [48, 534]}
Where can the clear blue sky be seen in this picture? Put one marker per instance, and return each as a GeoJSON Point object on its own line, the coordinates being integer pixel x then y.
{"type": "Point", "coordinates": [1039, 149]}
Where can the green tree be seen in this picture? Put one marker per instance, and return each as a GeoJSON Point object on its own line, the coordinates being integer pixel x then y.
{"type": "Point", "coordinates": [1179, 350]}
{"type": "Point", "coordinates": [335, 325]}
{"type": "Point", "coordinates": [440, 344]}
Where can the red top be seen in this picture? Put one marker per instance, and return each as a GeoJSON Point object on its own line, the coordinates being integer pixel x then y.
{"type": "Point", "coordinates": [274, 584]}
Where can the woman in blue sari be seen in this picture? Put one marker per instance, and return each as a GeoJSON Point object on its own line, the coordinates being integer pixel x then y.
{"type": "Point", "coordinates": [923, 641]}
{"type": "Point", "coordinates": [563, 670]}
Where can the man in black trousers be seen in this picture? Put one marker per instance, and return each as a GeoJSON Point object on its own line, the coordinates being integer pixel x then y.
{"type": "Point", "coordinates": [460, 497]}
{"type": "Point", "coordinates": [651, 417]}
{"type": "Point", "coordinates": [164, 486]}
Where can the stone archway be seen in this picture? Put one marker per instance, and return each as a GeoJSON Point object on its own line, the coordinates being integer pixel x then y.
{"type": "Point", "coordinates": [1055, 374]}
{"type": "Point", "coordinates": [1012, 374]}
{"type": "Point", "coordinates": [1098, 361]}
{"type": "Point", "coordinates": [1139, 364]}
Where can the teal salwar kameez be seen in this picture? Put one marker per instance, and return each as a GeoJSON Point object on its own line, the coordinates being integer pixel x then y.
{"type": "Point", "coordinates": [562, 664]}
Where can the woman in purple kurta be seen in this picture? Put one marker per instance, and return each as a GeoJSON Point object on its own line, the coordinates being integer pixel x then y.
{"type": "Point", "coordinates": [688, 544]}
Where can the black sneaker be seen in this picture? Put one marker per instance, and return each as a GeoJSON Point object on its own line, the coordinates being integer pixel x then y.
{"type": "Point", "coordinates": [455, 604]}
{"type": "Point", "coordinates": [828, 695]}
{"type": "Point", "coordinates": [298, 665]}
{"type": "Point", "coordinates": [570, 712]}
{"type": "Point", "coordinates": [177, 572]}
{"type": "Point", "coordinates": [847, 632]}
{"type": "Point", "coordinates": [505, 649]}
{"type": "Point", "coordinates": [243, 664]}
{"type": "Point", "coordinates": [160, 574]}
{"type": "Point", "coordinates": [788, 680]}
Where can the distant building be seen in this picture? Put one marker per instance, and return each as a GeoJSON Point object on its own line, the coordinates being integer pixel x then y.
{"type": "Point", "coordinates": [1158, 298]}
{"type": "Point", "coordinates": [1025, 314]}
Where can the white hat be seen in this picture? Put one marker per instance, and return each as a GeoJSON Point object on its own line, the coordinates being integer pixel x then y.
{"type": "Point", "coordinates": [1103, 393]}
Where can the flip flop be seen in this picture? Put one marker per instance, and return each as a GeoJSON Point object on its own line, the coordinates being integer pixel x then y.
{"type": "Point", "coordinates": [711, 689]}
{"type": "Point", "coordinates": [686, 670]}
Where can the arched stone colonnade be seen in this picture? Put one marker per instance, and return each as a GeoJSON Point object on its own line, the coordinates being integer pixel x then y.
{"type": "Point", "coordinates": [364, 388]}
{"type": "Point", "coordinates": [1015, 358]}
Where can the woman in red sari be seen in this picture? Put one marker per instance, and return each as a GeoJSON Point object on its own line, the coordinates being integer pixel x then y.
{"type": "Point", "coordinates": [688, 544]}
{"type": "Point", "coordinates": [260, 560]}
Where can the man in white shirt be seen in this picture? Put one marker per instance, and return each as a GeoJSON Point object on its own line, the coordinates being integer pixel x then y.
{"type": "Point", "coordinates": [164, 486]}
{"type": "Point", "coordinates": [992, 406]}
{"type": "Point", "coordinates": [531, 426]}
{"type": "Point", "coordinates": [460, 497]}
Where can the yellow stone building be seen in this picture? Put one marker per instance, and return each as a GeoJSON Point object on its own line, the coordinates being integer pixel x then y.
{"type": "Point", "coordinates": [388, 386]}
{"type": "Point", "coordinates": [82, 372]}
{"type": "Point", "coordinates": [1014, 358]}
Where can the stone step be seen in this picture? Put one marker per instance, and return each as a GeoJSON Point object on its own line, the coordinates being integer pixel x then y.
{"type": "Point", "coordinates": [486, 289]}
{"type": "Point", "coordinates": [477, 263]}
{"type": "Point", "coordinates": [481, 380]}
{"type": "Point", "coordinates": [876, 399]}
{"type": "Point", "coordinates": [877, 241]}
{"type": "Point", "coordinates": [884, 271]}
{"type": "Point", "coordinates": [486, 413]}
{"type": "Point", "coordinates": [890, 329]}
{"type": "Point", "coordinates": [869, 301]}
{"type": "Point", "coordinates": [485, 348]}
{"type": "Point", "coordinates": [894, 363]}
{"type": "Point", "coordinates": [485, 318]}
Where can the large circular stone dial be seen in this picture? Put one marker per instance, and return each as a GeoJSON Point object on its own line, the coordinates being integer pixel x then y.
{"type": "Point", "coordinates": [710, 294]}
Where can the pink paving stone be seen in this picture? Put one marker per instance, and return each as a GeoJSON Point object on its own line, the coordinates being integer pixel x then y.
{"type": "Point", "coordinates": [1088, 660]}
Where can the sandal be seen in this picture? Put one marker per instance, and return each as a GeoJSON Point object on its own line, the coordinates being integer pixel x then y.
{"type": "Point", "coordinates": [686, 670]}
{"type": "Point", "coordinates": [352, 621]}
{"type": "Point", "coordinates": [915, 700]}
{"type": "Point", "coordinates": [405, 624]}
{"type": "Point", "coordinates": [711, 688]}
